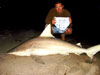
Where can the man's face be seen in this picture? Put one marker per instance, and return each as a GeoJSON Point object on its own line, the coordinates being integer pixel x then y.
{"type": "Point", "coordinates": [59, 7]}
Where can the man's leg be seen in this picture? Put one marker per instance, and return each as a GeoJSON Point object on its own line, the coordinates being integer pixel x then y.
{"type": "Point", "coordinates": [63, 36]}
{"type": "Point", "coordinates": [55, 30]}
{"type": "Point", "coordinates": [67, 32]}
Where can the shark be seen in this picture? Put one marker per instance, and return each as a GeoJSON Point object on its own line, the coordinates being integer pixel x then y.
{"type": "Point", "coordinates": [47, 44]}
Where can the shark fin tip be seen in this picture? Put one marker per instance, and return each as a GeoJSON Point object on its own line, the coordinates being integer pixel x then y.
{"type": "Point", "coordinates": [47, 32]}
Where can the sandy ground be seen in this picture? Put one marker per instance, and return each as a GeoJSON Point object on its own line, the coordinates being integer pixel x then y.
{"type": "Point", "coordinates": [48, 65]}
{"type": "Point", "coordinates": [10, 40]}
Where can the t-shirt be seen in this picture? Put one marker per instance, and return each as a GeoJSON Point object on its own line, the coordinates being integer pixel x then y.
{"type": "Point", "coordinates": [53, 13]}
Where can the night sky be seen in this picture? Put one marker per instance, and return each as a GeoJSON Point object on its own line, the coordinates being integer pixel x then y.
{"type": "Point", "coordinates": [31, 15]}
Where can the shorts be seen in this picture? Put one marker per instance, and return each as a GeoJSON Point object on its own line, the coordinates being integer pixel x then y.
{"type": "Point", "coordinates": [57, 30]}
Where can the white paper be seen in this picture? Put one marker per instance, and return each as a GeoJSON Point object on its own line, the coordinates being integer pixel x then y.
{"type": "Point", "coordinates": [62, 22]}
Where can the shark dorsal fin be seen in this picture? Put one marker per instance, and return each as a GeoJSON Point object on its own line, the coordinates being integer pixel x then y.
{"type": "Point", "coordinates": [47, 32]}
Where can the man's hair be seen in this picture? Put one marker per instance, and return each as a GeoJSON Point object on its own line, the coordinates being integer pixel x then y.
{"type": "Point", "coordinates": [59, 2]}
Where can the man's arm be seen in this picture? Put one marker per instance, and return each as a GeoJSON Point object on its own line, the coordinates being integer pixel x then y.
{"type": "Point", "coordinates": [70, 20]}
{"type": "Point", "coordinates": [69, 15]}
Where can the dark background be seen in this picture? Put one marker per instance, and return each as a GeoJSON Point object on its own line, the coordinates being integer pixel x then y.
{"type": "Point", "coordinates": [31, 14]}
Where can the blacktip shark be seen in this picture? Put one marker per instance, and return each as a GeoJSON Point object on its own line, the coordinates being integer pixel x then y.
{"type": "Point", "coordinates": [47, 44]}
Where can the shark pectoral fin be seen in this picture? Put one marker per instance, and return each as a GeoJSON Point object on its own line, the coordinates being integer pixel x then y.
{"type": "Point", "coordinates": [90, 55]}
{"type": "Point", "coordinates": [47, 32]}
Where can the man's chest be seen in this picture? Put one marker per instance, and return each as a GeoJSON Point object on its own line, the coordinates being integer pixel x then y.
{"type": "Point", "coordinates": [60, 15]}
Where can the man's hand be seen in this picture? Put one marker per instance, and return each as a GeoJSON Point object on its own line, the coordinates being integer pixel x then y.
{"type": "Point", "coordinates": [53, 21]}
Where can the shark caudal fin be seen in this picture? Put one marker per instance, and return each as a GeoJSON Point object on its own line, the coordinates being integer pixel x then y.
{"type": "Point", "coordinates": [93, 50]}
{"type": "Point", "coordinates": [47, 32]}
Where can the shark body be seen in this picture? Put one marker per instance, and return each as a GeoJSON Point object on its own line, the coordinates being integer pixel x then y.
{"type": "Point", "coordinates": [47, 44]}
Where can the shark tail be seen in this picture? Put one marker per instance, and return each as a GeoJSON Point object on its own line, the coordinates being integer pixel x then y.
{"type": "Point", "coordinates": [93, 50]}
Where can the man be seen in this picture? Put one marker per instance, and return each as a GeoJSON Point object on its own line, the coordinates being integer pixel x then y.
{"type": "Point", "coordinates": [59, 11]}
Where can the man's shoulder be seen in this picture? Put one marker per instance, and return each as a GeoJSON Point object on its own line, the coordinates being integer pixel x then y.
{"type": "Point", "coordinates": [52, 9]}
{"type": "Point", "coordinates": [65, 10]}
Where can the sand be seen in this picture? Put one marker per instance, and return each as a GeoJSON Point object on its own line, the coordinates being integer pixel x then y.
{"type": "Point", "coordinates": [48, 65]}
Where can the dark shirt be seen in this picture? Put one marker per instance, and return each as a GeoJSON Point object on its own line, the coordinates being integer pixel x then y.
{"type": "Point", "coordinates": [53, 13]}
